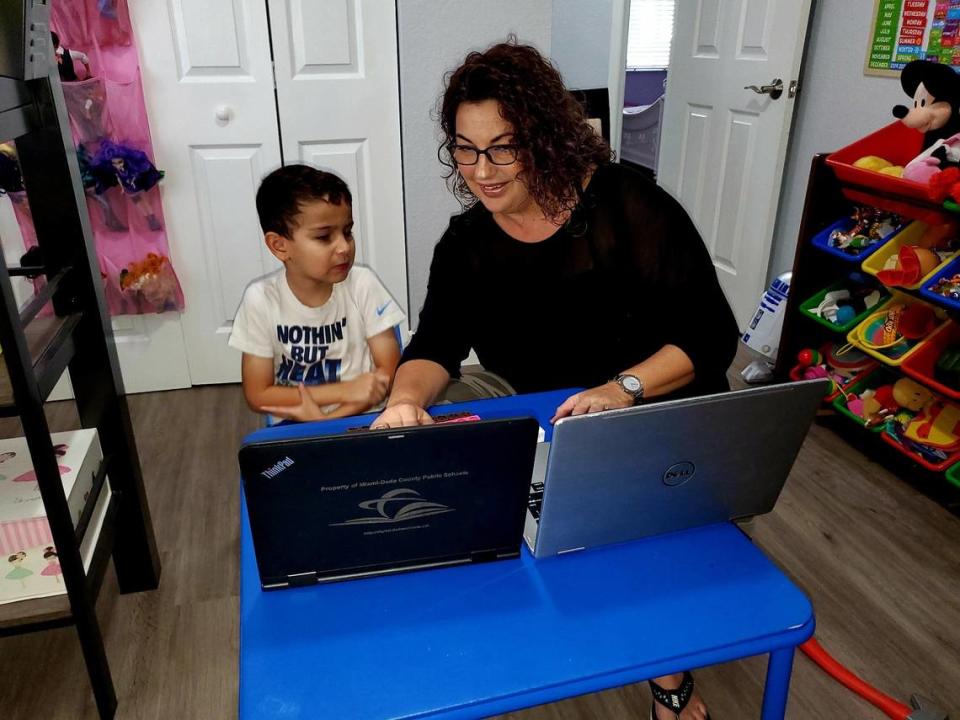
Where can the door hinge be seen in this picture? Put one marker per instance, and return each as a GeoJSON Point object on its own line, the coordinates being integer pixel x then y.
{"type": "Point", "coordinates": [273, 72]}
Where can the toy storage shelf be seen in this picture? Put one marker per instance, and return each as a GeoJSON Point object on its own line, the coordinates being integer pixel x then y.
{"type": "Point", "coordinates": [65, 327]}
{"type": "Point", "coordinates": [827, 200]}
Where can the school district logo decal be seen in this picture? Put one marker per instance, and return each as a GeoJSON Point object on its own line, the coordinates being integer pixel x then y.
{"type": "Point", "coordinates": [396, 506]}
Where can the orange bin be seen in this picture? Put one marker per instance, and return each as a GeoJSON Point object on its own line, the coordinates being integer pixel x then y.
{"type": "Point", "coordinates": [921, 364]}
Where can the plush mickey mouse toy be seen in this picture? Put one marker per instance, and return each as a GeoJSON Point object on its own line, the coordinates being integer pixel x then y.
{"type": "Point", "coordinates": [935, 89]}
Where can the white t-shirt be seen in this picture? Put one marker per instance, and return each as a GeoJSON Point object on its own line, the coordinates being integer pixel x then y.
{"type": "Point", "coordinates": [314, 345]}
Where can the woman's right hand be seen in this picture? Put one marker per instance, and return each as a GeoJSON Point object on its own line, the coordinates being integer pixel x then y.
{"type": "Point", "coordinates": [402, 415]}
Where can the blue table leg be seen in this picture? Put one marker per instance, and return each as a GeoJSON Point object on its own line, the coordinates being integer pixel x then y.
{"type": "Point", "coordinates": [775, 693]}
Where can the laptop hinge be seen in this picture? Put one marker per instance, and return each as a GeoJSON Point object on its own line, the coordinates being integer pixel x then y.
{"type": "Point", "coordinates": [483, 555]}
{"type": "Point", "coordinates": [307, 578]}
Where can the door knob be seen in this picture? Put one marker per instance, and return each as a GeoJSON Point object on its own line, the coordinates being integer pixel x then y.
{"type": "Point", "coordinates": [223, 114]}
{"type": "Point", "coordinates": [774, 89]}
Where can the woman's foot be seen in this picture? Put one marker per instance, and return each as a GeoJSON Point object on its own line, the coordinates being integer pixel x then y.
{"type": "Point", "coordinates": [695, 709]}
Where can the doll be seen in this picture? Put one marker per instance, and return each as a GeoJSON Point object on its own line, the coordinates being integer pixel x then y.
{"type": "Point", "coordinates": [153, 280]}
{"type": "Point", "coordinates": [90, 182]}
{"type": "Point", "coordinates": [131, 169]}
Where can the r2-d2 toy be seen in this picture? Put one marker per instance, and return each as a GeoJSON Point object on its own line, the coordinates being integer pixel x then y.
{"type": "Point", "coordinates": [763, 334]}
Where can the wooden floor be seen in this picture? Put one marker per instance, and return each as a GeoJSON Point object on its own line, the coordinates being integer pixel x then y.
{"type": "Point", "coordinates": [880, 561]}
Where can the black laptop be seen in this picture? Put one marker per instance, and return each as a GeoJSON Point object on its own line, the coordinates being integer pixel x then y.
{"type": "Point", "coordinates": [382, 501]}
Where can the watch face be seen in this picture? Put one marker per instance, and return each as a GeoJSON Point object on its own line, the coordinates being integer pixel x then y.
{"type": "Point", "coordinates": [630, 383]}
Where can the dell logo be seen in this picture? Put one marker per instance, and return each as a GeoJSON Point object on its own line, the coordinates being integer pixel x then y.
{"type": "Point", "coordinates": [679, 473]}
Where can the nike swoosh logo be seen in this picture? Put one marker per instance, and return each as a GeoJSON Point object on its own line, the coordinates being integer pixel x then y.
{"type": "Point", "coordinates": [382, 308]}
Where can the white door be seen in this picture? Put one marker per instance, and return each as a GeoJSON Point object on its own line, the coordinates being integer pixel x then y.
{"type": "Point", "coordinates": [209, 88]}
{"type": "Point", "coordinates": [208, 85]}
{"type": "Point", "coordinates": [722, 147]}
{"type": "Point", "coordinates": [339, 100]}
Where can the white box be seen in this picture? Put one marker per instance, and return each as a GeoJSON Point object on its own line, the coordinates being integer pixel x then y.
{"type": "Point", "coordinates": [25, 537]}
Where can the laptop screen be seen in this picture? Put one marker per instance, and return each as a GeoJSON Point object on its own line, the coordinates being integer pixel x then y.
{"type": "Point", "coordinates": [374, 501]}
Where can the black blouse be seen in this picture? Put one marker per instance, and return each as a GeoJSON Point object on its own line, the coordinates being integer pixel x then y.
{"type": "Point", "coordinates": [627, 274]}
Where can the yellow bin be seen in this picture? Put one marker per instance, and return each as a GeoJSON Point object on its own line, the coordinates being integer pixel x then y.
{"type": "Point", "coordinates": [894, 353]}
{"type": "Point", "coordinates": [910, 235]}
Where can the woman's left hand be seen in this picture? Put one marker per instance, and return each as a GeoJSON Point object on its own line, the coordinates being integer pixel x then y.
{"type": "Point", "coordinates": [604, 397]}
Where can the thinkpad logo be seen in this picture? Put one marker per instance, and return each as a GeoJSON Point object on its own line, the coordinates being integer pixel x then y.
{"type": "Point", "coordinates": [679, 473]}
{"type": "Point", "coordinates": [396, 506]}
{"type": "Point", "coordinates": [276, 469]}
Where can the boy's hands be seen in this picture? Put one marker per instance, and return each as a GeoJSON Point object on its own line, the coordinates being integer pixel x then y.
{"type": "Point", "coordinates": [305, 411]}
{"type": "Point", "coordinates": [367, 389]}
{"type": "Point", "coordinates": [359, 394]}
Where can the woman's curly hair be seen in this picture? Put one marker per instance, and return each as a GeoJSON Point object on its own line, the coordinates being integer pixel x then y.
{"type": "Point", "coordinates": [557, 148]}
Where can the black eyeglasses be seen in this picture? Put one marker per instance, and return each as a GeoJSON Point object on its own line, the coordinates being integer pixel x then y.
{"type": "Point", "coordinates": [496, 154]}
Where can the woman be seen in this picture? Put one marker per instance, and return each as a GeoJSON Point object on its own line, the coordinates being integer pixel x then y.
{"type": "Point", "coordinates": [565, 270]}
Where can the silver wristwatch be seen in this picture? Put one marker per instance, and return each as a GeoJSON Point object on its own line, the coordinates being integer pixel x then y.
{"type": "Point", "coordinates": [631, 385]}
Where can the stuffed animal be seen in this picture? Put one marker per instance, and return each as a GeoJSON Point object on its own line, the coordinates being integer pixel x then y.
{"type": "Point", "coordinates": [935, 90]}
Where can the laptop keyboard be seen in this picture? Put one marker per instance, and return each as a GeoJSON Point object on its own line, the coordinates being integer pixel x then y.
{"type": "Point", "coordinates": [535, 501]}
{"type": "Point", "coordinates": [461, 416]}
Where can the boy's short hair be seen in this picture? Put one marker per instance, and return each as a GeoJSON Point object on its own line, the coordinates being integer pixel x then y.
{"type": "Point", "coordinates": [286, 189]}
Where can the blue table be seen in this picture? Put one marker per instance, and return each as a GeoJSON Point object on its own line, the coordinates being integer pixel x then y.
{"type": "Point", "coordinates": [474, 641]}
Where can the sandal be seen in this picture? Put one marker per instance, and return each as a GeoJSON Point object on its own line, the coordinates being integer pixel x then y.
{"type": "Point", "coordinates": [674, 700]}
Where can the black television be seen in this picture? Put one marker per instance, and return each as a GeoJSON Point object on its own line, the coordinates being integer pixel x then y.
{"type": "Point", "coordinates": [25, 46]}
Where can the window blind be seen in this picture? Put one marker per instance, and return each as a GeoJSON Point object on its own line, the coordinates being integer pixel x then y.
{"type": "Point", "coordinates": [650, 33]}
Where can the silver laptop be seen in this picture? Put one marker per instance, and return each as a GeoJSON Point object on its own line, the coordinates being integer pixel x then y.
{"type": "Point", "coordinates": [627, 474]}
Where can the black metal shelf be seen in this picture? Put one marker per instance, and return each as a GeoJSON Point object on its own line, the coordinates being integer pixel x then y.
{"type": "Point", "coordinates": [52, 345]}
{"type": "Point", "coordinates": [38, 348]}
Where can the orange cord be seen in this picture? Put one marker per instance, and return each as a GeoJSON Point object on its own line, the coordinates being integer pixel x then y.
{"type": "Point", "coordinates": [896, 710]}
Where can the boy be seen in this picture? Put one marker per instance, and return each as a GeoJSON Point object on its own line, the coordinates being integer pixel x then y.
{"type": "Point", "coordinates": [317, 338]}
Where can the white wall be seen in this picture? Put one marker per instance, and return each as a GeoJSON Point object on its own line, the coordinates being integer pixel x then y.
{"type": "Point", "coordinates": [434, 37]}
{"type": "Point", "coordinates": [580, 46]}
{"type": "Point", "coordinates": [837, 104]}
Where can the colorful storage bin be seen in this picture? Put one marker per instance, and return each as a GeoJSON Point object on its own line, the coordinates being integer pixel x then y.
{"type": "Point", "coordinates": [808, 308]}
{"type": "Point", "coordinates": [910, 235]}
{"type": "Point", "coordinates": [953, 474]}
{"type": "Point", "coordinates": [943, 416]}
{"type": "Point", "coordinates": [921, 365]}
{"type": "Point", "coordinates": [822, 241]}
{"type": "Point", "coordinates": [896, 143]}
{"type": "Point", "coordinates": [873, 380]}
{"type": "Point", "coordinates": [896, 353]}
{"type": "Point", "coordinates": [829, 350]}
{"type": "Point", "coordinates": [926, 290]}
